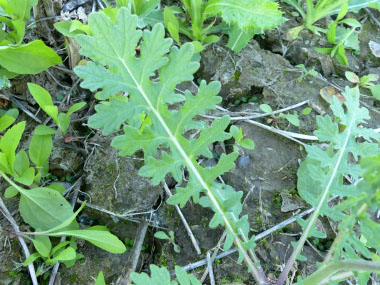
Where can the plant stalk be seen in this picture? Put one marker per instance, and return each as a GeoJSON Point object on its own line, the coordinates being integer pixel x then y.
{"type": "Point", "coordinates": [324, 274]}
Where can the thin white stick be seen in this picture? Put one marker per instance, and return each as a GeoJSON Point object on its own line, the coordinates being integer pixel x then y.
{"type": "Point", "coordinates": [15, 227]}
{"type": "Point", "coordinates": [255, 116]}
{"type": "Point", "coordinates": [187, 227]}
{"type": "Point", "coordinates": [210, 271]}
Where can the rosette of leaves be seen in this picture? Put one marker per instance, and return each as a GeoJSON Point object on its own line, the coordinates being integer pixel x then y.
{"type": "Point", "coordinates": [317, 10]}
{"type": "Point", "coordinates": [44, 208]}
{"type": "Point", "coordinates": [150, 79]}
{"type": "Point", "coordinates": [241, 20]}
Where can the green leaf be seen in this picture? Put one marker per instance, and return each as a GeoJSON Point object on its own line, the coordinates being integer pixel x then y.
{"type": "Point", "coordinates": [238, 39]}
{"type": "Point", "coordinates": [353, 6]}
{"type": "Point", "coordinates": [58, 187]}
{"type": "Point", "coordinates": [351, 22]}
{"type": "Point", "coordinates": [43, 202]}
{"type": "Point", "coordinates": [31, 258]}
{"type": "Point", "coordinates": [247, 143]}
{"type": "Point", "coordinates": [116, 68]}
{"type": "Point", "coordinates": [293, 119]}
{"type": "Point", "coordinates": [375, 90]}
{"type": "Point", "coordinates": [10, 192]}
{"type": "Point", "coordinates": [171, 24]}
{"type": "Point", "coordinates": [352, 77]}
{"type": "Point", "coordinates": [331, 33]}
{"type": "Point", "coordinates": [253, 15]}
{"type": "Point", "coordinates": [103, 239]}
{"type": "Point", "coordinates": [324, 50]}
{"type": "Point", "coordinates": [41, 145]}
{"type": "Point", "coordinates": [342, 12]}
{"type": "Point", "coordinates": [10, 141]}
{"type": "Point", "coordinates": [67, 222]}
{"type": "Point", "coordinates": [43, 98]}
{"type": "Point", "coordinates": [31, 58]}
{"type": "Point", "coordinates": [63, 122]}
{"type": "Point", "coordinates": [79, 26]}
{"type": "Point", "coordinates": [58, 247]}
{"type": "Point", "coordinates": [306, 111]}
{"type": "Point", "coordinates": [26, 177]}
{"type": "Point", "coordinates": [236, 132]}
{"type": "Point", "coordinates": [266, 109]}
{"type": "Point", "coordinates": [42, 244]}
{"type": "Point", "coordinates": [66, 254]}
{"type": "Point", "coordinates": [184, 278]}
{"type": "Point", "coordinates": [42, 130]}
{"type": "Point", "coordinates": [20, 9]}
{"type": "Point", "coordinates": [159, 276]}
{"type": "Point", "coordinates": [320, 175]}
{"type": "Point", "coordinates": [8, 119]}
{"type": "Point", "coordinates": [66, 28]}
{"type": "Point", "coordinates": [110, 115]}
{"type": "Point", "coordinates": [341, 56]}
{"type": "Point", "coordinates": [21, 163]}
{"type": "Point", "coordinates": [100, 279]}
{"type": "Point", "coordinates": [198, 47]}
{"type": "Point", "coordinates": [76, 107]}
{"type": "Point", "coordinates": [351, 41]}
{"type": "Point", "coordinates": [161, 235]}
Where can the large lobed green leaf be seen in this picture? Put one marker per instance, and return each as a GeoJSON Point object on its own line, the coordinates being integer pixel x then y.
{"type": "Point", "coordinates": [254, 15]}
{"type": "Point", "coordinates": [117, 71]}
{"type": "Point", "coordinates": [321, 174]}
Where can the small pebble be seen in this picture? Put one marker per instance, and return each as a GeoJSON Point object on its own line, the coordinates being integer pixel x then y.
{"type": "Point", "coordinates": [243, 161]}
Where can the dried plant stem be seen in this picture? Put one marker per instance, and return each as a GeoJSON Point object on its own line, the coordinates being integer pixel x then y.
{"type": "Point", "coordinates": [135, 254]}
{"type": "Point", "coordinates": [209, 267]}
{"type": "Point", "coordinates": [214, 255]}
{"type": "Point", "coordinates": [15, 227]}
{"type": "Point", "coordinates": [183, 219]}
{"type": "Point", "coordinates": [326, 273]}
{"type": "Point", "coordinates": [257, 237]}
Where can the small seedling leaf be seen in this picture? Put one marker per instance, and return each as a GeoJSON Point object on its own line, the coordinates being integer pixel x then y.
{"type": "Point", "coordinates": [306, 111]}
{"type": "Point", "coordinates": [31, 258]}
{"type": "Point", "coordinates": [43, 98]}
{"type": "Point", "coordinates": [161, 235]}
{"type": "Point", "coordinates": [100, 279]}
{"type": "Point", "coordinates": [247, 143]}
{"type": "Point", "coordinates": [352, 77]}
{"type": "Point", "coordinates": [40, 146]}
{"type": "Point", "coordinates": [76, 107]}
{"type": "Point", "coordinates": [266, 109]}
{"type": "Point", "coordinates": [10, 192]}
{"type": "Point", "coordinates": [375, 90]}
{"type": "Point", "coordinates": [10, 141]}
{"type": "Point", "coordinates": [42, 244]}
